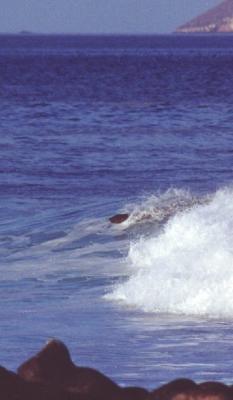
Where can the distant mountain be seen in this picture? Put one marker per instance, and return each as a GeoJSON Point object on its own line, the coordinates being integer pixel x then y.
{"type": "Point", "coordinates": [24, 33]}
{"type": "Point", "coordinates": [218, 19]}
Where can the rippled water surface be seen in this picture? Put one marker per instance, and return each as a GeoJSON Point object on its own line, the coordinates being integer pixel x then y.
{"type": "Point", "coordinates": [93, 126]}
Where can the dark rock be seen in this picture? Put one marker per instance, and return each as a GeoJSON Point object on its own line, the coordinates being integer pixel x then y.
{"type": "Point", "coordinates": [12, 387]}
{"type": "Point", "coordinates": [133, 393]}
{"type": "Point", "coordinates": [53, 365]}
{"type": "Point", "coordinates": [119, 218]}
{"type": "Point", "coordinates": [215, 390]}
{"type": "Point", "coordinates": [52, 375]}
{"type": "Point", "coordinates": [172, 389]}
{"type": "Point", "coordinates": [205, 391]}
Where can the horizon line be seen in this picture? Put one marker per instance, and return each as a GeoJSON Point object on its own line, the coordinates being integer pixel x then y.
{"type": "Point", "coordinates": [109, 34]}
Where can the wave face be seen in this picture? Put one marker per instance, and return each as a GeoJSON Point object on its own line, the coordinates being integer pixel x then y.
{"type": "Point", "coordinates": [187, 267]}
{"type": "Point", "coordinates": [159, 208]}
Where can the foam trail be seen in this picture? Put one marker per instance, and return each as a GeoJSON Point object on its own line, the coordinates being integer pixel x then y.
{"type": "Point", "coordinates": [188, 267]}
{"type": "Point", "coordinates": [159, 207]}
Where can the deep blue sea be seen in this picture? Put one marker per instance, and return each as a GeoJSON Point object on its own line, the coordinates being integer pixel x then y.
{"type": "Point", "coordinates": [94, 126]}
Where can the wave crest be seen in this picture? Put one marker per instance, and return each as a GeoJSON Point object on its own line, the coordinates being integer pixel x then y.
{"type": "Point", "coordinates": [188, 267]}
{"type": "Point", "coordinates": [162, 206]}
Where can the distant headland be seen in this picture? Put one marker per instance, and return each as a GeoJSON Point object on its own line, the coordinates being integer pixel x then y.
{"type": "Point", "coordinates": [25, 33]}
{"type": "Point", "coordinates": [218, 19]}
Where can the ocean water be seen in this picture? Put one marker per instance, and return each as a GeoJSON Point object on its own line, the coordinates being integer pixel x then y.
{"type": "Point", "coordinates": [93, 126]}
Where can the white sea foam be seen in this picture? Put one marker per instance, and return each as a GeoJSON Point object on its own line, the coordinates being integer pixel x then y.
{"type": "Point", "coordinates": [187, 268]}
{"type": "Point", "coordinates": [161, 206]}
{"type": "Point", "coordinates": [86, 248]}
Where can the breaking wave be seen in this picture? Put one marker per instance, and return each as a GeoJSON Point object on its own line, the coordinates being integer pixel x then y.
{"type": "Point", "coordinates": [187, 266]}
{"type": "Point", "coordinates": [160, 207]}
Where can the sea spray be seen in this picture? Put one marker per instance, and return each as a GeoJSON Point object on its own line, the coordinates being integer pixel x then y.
{"type": "Point", "coordinates": [187, 268]}
{"type": "Point", "coordinates": [161, 206]}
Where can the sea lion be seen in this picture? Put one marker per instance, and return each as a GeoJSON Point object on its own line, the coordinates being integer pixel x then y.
{"type": "Point", "coordinates": [118, 218]}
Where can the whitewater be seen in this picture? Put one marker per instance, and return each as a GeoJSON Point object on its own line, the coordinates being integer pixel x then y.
{"type": "Point", "coordinates": [186, 266]}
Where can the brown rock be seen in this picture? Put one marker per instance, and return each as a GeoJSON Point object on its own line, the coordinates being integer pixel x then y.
{"type": "Point", "coordinates": [183, 397]}
{"type": "Point", "coordinates": [214, 391]}
{"type": "Point", "coordinates": [53, 365]}
{"type": "Point", "coordinates": [195, 396]}
{"type": "Point", "coordinates": [119, 218]}
{"type": "Point", "coordinates": [12, 387]}
{"type": "Point", "coordinates": [207, 391]}
{"type": "Point", "coordinates": [180, 387]}
{"type": "Point", "coordinates": [133, 393]}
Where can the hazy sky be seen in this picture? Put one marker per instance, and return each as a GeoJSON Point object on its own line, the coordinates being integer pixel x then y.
{"type": "Point", "coordinates": [99, 16]}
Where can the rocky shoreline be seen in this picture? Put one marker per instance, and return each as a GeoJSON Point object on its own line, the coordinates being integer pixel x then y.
{"type": "Point", "coordinates": [52, 375]}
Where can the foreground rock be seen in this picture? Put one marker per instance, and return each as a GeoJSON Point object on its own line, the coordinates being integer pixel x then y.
{"type": "Point", "coordinates": [173, 389]}
{"type": "Point", "coordinates": [12, 387]}
{"type": "Point", "coordinates": [53, 365]}
{"type": "Point", "coordinates": [185, 389]}
{"type": "Point", "coordinates": [52, 375]}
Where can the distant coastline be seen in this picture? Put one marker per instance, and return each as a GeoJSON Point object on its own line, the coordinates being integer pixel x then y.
{"type": "Point", "coordinates": [218, 19]}
{"type": "Point", "coordinates": [25, 33]}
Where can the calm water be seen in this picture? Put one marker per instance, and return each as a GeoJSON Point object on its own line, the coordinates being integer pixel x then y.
{"type": "Point", "coordinates": [92, 126]}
